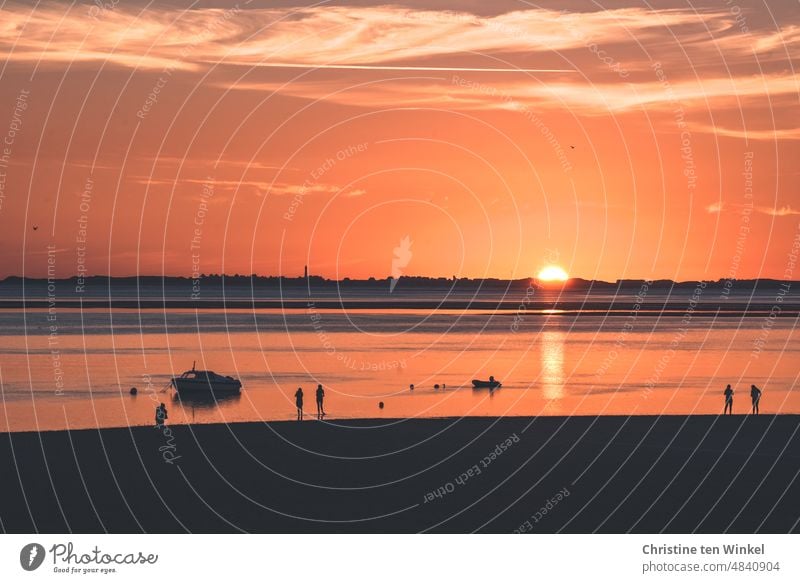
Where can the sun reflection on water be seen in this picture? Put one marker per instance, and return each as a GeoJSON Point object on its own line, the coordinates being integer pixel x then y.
{"type": "Point", "coordinates": [552, 360]}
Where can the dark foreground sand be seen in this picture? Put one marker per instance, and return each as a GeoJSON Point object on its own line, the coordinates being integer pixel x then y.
{"type": "Point", "coordinates": [641, 474]}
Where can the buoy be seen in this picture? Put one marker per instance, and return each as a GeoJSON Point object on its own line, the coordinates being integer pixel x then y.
{"type": "Point", "coordinates": [436, 386]}
{"type": "Point", "coordinates": [380, 405]}
{"type": "Point", "coordinates": [134, 390]}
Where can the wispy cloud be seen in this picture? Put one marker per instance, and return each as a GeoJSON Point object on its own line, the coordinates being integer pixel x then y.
{"type": "Point", "coordinates": [210, 163]}
{"type": "Point", "coordinates": [535, 57]}
{"type": "Point", "coordinates": [738, 208]}
{"type": "Point", "coordinates": [410, 68]}
{"type": "Point", "coordinates": [593, 98]}
{"type": "Point", "coordinates": [378, 37]}
{"type": "Point", "coordinates": [752, 134]}
{"type": "Point", "coordinates": [262, 187]}
{"type": "Point", "coordinates": [304, 189]}
{"type": "Point", "coordinates": [783, 211]}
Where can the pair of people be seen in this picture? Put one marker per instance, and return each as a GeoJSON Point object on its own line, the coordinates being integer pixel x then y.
{"type": "Point", "coordinates": [298, 398]}
{"type": "Point", "coordinates": [755, 396]}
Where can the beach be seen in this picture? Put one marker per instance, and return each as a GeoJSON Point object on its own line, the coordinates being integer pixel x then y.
{"type": "Point", "coordinates": [576, 474]}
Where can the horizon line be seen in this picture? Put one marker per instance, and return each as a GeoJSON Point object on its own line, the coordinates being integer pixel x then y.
{"type": "Point", "coordinates": [388, 278]}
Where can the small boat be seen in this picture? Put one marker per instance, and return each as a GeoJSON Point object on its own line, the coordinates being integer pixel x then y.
{"type": "Point", "coordinates": [205, 381]}
{"type": "Point", "coordinates": [490, 384]}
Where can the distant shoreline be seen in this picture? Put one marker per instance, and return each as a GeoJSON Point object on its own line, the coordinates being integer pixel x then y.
{"type": "Point", "coordinates": [402, 284]}
{"type": "Point", "coordinates": [676, 307]}
{"type": "Point", "coordinates": [652, 298]}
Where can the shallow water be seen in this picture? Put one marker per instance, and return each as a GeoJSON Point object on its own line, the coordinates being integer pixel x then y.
{"type": "Point", "coordinates": [78, 374]}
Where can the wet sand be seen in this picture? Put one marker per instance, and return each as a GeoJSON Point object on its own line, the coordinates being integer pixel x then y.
{"type": "Point", "coordinates": [578, 474]}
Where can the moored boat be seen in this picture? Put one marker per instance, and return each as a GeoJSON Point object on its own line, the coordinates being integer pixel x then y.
{"type": "Point", "coordinates": [205, 381]}
{"type": "Point", "coordinates": [490, 384]}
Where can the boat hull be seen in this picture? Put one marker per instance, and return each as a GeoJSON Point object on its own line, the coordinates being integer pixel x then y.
{"type": "Point", "coordinates": [204, 386]}
{"type": "Point", "coordinates": [486, 384]}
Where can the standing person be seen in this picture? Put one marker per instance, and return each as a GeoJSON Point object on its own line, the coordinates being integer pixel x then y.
{"type": "Point", "coordinates": [728, 400]}
{"type": "Point", "coordinates": [161, 416]}
{"type": "Point", "coordinates": [298, 399]}
{"type": "Point", "coordinates": [755, 395]}
{"type": "Point", "coordinates": [320, 398]}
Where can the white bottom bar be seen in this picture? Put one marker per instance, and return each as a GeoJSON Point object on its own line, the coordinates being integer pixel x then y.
{"type": "Point", "coordinates": [402, 558]}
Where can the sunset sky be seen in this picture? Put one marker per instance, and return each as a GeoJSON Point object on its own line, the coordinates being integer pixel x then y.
{"type": "Point", "coordinates": [258, 137]}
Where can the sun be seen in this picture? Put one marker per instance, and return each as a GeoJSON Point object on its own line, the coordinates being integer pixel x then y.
{"type": "Point", "coordinates": [553, 273]}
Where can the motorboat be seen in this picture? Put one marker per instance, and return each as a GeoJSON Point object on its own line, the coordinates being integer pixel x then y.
{"type": "Point", "coordinates": [205, 381]}
{"type": "Point", "coordinates": [490, 384]}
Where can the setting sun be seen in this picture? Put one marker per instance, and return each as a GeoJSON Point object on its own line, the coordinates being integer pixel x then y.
{"type": "Point", "coordinates": [553, 273]}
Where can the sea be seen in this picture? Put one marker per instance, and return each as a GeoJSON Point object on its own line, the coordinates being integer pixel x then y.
{"type": "Point", "coordinates": [636, 352]}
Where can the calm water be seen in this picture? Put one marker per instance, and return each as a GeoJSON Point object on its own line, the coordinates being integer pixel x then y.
{"type": "Point", "coordinates": [550, 364]}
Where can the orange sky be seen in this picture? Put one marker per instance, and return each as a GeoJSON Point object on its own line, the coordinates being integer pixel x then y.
{"type": "Point", "coordinates": [323, 134]}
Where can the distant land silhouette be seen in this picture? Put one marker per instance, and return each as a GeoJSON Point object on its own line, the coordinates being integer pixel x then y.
{"type": "Point", "coordinates": [404, 282]}
{"type": "Point", "coordinates": [724, 296]}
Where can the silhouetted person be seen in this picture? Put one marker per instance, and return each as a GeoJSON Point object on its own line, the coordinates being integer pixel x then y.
{"type": "Point", "coordinates": [755, 395]}
{"type": "Point", "coordinates": [298, 399]}
{"type": "Point", "coordinates": [161, 416]}
{"type": "Point", "coordinates": [728, 401]}
{"type": "Point", "coordinates": [320, 398]}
